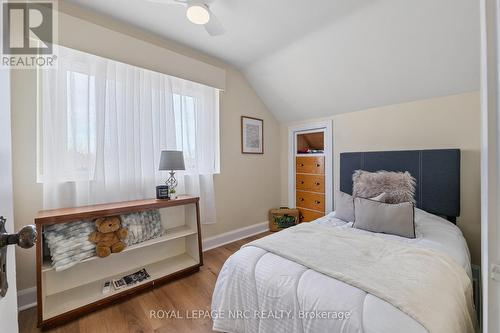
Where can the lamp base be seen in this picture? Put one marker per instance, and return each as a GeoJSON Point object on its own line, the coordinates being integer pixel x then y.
{"type": "Point", "coordinates": [171, 181]}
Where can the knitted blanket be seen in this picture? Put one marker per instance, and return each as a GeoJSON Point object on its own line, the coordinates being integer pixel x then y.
{"type": "Point", "coordinates": [68, 242]}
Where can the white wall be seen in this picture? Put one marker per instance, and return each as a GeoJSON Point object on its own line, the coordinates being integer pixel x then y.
{"type": "Point", "coordinates": [445, 122]}
{"type": "Point", "coordinates": [372, 53]}
{"type": "Point", "coordinates": [78, 33]}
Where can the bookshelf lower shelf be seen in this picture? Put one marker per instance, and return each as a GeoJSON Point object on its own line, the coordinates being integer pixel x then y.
{"type": "Point", "coordinates": [71, 299]}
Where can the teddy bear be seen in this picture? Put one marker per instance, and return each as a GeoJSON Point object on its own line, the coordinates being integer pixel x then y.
{"type": "Point", "coordinates": [108, 236]}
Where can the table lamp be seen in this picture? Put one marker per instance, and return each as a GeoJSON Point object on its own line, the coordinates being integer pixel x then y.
{"type": "Point", "coordinates": [171, 160]}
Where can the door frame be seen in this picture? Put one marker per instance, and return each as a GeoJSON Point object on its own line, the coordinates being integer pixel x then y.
{"type": "Point", "coordinates": [490, 164]}
{"type": "Point", "coordinates": [326, 127]}
{"type": "Point", "coordinates": [8, 314]}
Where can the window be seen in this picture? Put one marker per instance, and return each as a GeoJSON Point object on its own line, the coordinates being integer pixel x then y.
{"type": "Point", "coordinates": [185, 114]}
{"type": "Point", "coordinates": [81, 121]}
{"type": "Point", "coordinates": [103, 125]}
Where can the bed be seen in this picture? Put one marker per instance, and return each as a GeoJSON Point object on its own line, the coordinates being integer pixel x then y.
{"type": "Point", "coordinates": [264, 290]}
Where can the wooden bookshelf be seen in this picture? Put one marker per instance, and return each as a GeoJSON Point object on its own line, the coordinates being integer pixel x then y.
{"type": "Point", "coordinates": [68, 294]}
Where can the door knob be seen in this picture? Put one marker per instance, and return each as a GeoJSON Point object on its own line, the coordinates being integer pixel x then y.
{"type": "Point", "coordinates": [25, 238]}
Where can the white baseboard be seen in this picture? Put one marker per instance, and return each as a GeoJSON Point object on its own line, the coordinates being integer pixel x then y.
{"type": "Point", "coordinates": [26, 298]}
{"type": "Point", "coordinates": [235, 235]}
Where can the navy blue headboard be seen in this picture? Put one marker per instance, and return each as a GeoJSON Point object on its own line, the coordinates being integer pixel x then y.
{"type": "Point", "coordinates": [437, 173]}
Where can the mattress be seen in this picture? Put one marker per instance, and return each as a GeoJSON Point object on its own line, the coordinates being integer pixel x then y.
{"type": "Point", "coordinates": [256, 290]}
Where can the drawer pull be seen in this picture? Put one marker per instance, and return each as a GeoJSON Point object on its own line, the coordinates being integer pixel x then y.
{"type": "Point", "coordinates": [318, 183]}
{"type": "Point", "coordinates": [302, 182]}
{"type": "Point", "coordinates": [318, 165]}
{"type": "Point", "coordinates": [301, 164]}
{"type": "Point", "coordinates": [317, 202]}
{"type": "Point", "coordinates": [301, 199]}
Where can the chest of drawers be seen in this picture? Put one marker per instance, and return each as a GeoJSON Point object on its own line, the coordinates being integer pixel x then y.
{"type": "Point", "coordinates": [310, 187]}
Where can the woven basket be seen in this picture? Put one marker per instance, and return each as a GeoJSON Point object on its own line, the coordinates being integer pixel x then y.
{"type": "Point", "coordinates": [282, 218]}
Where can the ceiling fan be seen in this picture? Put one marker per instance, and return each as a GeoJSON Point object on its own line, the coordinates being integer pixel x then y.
{"type": "Point", "coordinates": [198, 12]}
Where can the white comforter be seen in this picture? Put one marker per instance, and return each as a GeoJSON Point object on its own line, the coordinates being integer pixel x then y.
{"type": "Point", "coordinates": [264, 281]}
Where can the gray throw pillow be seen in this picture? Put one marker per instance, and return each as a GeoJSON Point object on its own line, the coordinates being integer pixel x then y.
{"type": "Point", "coordinates": [344, 205]}
{"type": "Point", "coordinates": [398, 186]}
{"type": "Point", "coordinates": [395, 219]}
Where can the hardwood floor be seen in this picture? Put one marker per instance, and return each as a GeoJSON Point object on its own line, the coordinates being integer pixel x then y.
{"type": "Point", "coordinates": [134, 315]}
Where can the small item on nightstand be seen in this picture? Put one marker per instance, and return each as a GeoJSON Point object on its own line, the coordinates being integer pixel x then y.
{"type": "Point", "coordinates": [131, 279]}
{"type": "Point", "coordinates": [303, 150]}
{"type": "Point", "coordinates": [282, 218]}
{"type": "Point", "coordinates": [106, 288]}
{"type": "Point", "coordinates": [119, 284]}
{"type": "Point", "coordinates": [162, 192]}
{"type": "Point", "coordinates": [136, 277]}
{"type": "Point", "coordinates": [173, 194]}
{"type": "Point", "coordinates": [316, 151]}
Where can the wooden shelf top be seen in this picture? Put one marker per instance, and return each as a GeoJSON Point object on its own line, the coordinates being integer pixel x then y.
{"type": "Point", "coordinates": [94, 211]}
{"type": "Point", "coordinates": [309, 154]}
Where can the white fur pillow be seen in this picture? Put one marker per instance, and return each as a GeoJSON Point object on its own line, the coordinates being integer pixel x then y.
{"type": "Point", "coordinates": [398, 186]}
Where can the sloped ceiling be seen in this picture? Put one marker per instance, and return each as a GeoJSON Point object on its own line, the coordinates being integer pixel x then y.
{"type": "Point", "coordinates": [315, 58]}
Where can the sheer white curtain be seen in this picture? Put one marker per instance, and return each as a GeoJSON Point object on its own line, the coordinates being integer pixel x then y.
{"type": "Point", "coordinates": [103, 125]}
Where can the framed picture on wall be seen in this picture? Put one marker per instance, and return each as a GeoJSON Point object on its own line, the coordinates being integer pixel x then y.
{"type": "Point", "coordinates": [252, 135]}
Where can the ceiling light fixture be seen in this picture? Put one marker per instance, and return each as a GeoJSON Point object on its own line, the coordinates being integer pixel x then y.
{"type": "Point", "coordinates": [198, 14]}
